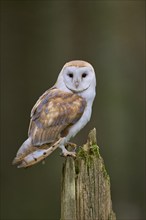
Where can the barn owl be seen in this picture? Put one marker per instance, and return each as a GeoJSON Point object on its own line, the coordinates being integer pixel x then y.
{"type": "Point", "coordinates": [59, 114]}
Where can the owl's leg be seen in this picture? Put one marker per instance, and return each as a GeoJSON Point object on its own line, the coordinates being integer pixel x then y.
{"type": "Point", "coordinates": [66, 153]}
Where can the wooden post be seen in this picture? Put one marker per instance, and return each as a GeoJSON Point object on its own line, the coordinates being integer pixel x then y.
{"type": "Point", "coordinates": [85, 193]}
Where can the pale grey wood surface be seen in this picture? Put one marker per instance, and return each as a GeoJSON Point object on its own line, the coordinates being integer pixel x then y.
{"type": "Point", "coordinates": [85, 193]}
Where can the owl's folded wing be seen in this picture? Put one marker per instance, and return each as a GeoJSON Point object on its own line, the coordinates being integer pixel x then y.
{"type": "Point", "coordinates": [53, 114]}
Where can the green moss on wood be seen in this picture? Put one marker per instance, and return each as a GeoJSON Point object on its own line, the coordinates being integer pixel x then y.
{"type": "Point", "coordinates": [88, 155]}
{"type": "Point", "coordinates": [94, 149]}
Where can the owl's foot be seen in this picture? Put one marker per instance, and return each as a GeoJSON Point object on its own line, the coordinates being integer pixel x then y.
{"type": "Point", "coordinates": [70, 149]}
{"type": "Point", "coordinates": [71, 145]}
{"type": "Point", "coordinates": [66, 153]}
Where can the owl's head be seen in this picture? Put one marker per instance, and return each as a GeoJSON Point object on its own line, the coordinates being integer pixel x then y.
{"type": "Point", "coordinates": [76, 76]}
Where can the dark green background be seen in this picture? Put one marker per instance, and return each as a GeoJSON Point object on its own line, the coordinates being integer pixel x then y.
{"type": "Point", "coordinates": [37, 38]}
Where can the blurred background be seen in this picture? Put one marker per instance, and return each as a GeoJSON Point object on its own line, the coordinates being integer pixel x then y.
{"type": "Point", "coordinates": [37, 39]}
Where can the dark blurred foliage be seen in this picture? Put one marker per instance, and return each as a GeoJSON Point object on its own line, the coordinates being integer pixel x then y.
{"type": "Point", "coordinates": [37, 38]}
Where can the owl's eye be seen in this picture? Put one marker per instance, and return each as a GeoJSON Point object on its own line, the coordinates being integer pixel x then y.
{"type": "Point", "coordinates": [84, 75]}
{"type": "Point", "coordinates": [70, 75]}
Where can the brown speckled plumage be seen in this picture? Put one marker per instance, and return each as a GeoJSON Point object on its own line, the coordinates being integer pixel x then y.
{"type": "Point", "coordinates": [53, 113]}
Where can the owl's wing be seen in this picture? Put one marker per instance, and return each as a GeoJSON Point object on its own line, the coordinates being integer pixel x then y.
{"type": "Point", "coordinates": [53, 114]}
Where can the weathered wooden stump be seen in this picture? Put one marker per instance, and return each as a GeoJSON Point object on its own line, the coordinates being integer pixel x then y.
{"type": "Point", "coordinates": [85, 193]}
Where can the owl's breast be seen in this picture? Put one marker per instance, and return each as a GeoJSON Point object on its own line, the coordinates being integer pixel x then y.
{"type": "Point", "coordinates": [85, 118]}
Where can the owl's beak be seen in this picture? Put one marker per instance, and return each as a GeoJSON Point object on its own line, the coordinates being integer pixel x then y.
{"type": "Point", "coordinates": [76, 84]}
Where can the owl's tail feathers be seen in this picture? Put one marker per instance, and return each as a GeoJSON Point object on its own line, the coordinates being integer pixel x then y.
{"type": "Point", "coordinates": [29, 155]}
{"type": "Point", "coordinates": [25, 149]}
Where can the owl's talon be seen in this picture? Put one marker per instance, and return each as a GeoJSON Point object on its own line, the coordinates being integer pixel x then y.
{"type": "Point", "coordinates": [68, 153]}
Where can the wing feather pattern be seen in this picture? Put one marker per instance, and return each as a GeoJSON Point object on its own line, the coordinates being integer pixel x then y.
{"type": "Point", "coordinates": [53, 114]}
